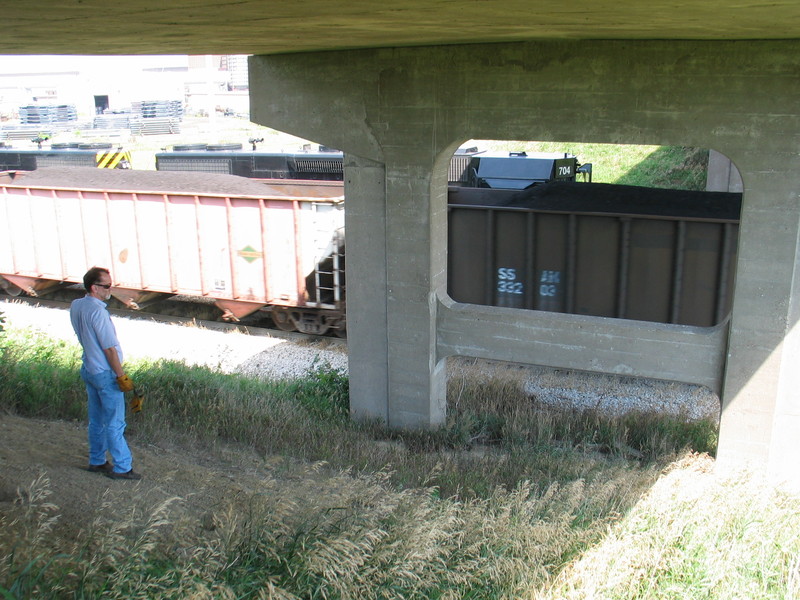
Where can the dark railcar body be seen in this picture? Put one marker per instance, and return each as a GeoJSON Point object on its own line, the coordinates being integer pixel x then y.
{"type": "Point", "coordinates": [64, 155]}
{"type": "Point", "coordinates": [596, 249]}
{"type": "Point", "coordinates": [322, 166]}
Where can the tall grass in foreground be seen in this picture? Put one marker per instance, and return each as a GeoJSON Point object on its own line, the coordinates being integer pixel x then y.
{"type": "Point", "coordinates": [692, 536]}
{"type": "Point", "coordinates": [508, 500]}
{"type": "Point", "coordinates": [357, 537]}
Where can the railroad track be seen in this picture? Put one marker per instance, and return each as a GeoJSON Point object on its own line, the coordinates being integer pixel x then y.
{"type": "Point", "coordinates": [183, 309]}
{"type": "Point", "coordinates": [556, 387]}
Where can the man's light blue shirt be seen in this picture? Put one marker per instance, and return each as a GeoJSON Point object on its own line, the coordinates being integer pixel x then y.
{"type": "Point", "coordinates": [95, 331]}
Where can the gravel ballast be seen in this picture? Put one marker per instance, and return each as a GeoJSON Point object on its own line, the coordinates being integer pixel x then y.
{"type": "Point", "coordinates": [274, 357]}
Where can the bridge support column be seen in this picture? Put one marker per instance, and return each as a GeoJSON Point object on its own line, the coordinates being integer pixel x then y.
{"type": "Point", "coordinates": [760, 424]}
{"type": "Point", "coordinates": [396, 239]}
{"type": "Point", "coordinates": [388, 292]}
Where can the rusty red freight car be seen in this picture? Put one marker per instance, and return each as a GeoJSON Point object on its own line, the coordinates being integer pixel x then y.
{"type": "Point", "coordinates": [245, 245]}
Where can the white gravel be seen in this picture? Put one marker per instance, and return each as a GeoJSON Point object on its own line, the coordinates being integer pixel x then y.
{"type": "Point", "coordinates": [618, 395]}
{"type": "Point", "coordinates": [229, 351]}
{"type": "Point", "coordinates": [271, 357]}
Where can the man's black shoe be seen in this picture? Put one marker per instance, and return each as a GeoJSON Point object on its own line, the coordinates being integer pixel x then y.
{"type": "Point", "coordinates": [127, 475]}
{"type": "Point", "coordinates": [106, 467]}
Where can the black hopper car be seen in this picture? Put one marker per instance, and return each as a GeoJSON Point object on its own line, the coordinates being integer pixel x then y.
{"type": "Point", "coordinates": [596, 249]}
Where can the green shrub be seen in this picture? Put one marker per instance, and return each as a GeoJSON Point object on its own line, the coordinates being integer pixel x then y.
{"type": "Point", "coordinates": [324, 392]}
{"type": "Point", "coordinates": [40, 376]}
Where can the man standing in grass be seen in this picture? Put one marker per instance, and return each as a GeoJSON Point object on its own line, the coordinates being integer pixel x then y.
{"type": "Point", "coordinates": [104, 378]}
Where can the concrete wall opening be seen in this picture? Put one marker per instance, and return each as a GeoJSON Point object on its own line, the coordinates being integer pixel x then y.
{"type": "Point", "coordinates": [643, 233]}
{"type": "Point", "coordinates": [626, 232]}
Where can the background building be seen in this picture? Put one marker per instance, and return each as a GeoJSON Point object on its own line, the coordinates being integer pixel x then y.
{"type": "Point", "coordinates": [96, 85]}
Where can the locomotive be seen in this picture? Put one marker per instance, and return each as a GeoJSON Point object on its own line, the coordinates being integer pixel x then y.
{"type": "Point", "coordinates": [469, 167]}
{"type": "Point", "coordinates": [101, 155]}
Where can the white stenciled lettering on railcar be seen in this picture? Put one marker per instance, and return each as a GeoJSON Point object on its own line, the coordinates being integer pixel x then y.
{"type": "Point", "coordinates": [550, 277]}
{"type": "Point", "coordinates": [549, 282]}
{"type": "Point", "coordinates": [507, 281]}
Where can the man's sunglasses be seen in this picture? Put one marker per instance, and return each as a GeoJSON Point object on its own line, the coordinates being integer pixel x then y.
{"type": "Point", "coordinates": [103, 285]}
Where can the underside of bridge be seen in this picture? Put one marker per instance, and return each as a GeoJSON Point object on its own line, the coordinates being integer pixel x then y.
{"type": "Point", "coordinates": [399, 86]}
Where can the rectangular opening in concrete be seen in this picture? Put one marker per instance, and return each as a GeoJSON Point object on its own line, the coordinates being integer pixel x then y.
{"type": "Point", "coordinates": [629, 232]}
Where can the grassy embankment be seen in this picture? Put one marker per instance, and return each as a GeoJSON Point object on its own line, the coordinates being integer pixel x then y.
{"type": "Point", "coordinates": [510, 499]}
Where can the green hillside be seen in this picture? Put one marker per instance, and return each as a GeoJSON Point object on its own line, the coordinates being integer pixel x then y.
{"type": "Point", "coordinates": [676, 167]}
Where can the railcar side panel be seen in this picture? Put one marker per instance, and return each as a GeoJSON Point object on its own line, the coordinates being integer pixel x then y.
{"type": "Point", "coordinates": [186, 265]}
{"type": "Point", "coordinates": [470, 274]}
{"type": "Point", "coordinates": [550, 262]}
{"type": "Point", "coordinates": [646, 267]}
{"type": "Point", "coordinates": [148, 262]}
{"type": "Point", "coordinates": [598, 268]}
{"type": "Point", "coordinates": [650, 272]}
{"type": "Point", "coordinates": [510, 257]}
{"type": "Point", "coordinates": [242, 249]}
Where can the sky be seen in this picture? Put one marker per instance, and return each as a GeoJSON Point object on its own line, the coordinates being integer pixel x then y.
{"type": "Point", "coordinates": [11, 64]}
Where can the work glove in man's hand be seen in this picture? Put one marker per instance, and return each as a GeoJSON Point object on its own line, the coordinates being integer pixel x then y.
{"type": "Point", "coordinates": [136, 401]}
{"type": "Point", "coordinates": [125, 383]}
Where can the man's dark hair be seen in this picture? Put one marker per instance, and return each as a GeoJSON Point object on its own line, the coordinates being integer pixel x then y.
{"type": "Point", "coordinates": [93, 276]}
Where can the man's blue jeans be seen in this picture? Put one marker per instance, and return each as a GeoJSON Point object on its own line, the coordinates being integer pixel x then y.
{"type": "Point", "coordinates": [106, 420]}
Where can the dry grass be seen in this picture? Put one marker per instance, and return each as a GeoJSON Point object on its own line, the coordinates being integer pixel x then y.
{"type": "Point", "coordinates": [510, 499]}
{"type": "Point", "coordinates": [694, 535]}
{"type": "Point", "coordinates": [321, 536]}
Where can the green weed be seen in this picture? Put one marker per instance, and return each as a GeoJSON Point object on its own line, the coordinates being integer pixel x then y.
{"type": "Point", "coordinates": [40, 376]}
{"type": "Point", "coordinates": [324, 392]}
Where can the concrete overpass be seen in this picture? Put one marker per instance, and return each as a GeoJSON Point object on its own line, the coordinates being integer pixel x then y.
{"type": "Point", "coordinates": [399, 86]}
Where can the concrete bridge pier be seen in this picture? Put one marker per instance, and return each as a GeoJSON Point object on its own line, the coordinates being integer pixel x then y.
{"type": "Point", "coordinates": [395, 375]}
{"type": "Point", "coordinates": [398, 114]}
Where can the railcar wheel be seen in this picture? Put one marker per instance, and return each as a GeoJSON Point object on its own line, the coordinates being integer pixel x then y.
{"type": "Point", "coordinates": [282, 320]}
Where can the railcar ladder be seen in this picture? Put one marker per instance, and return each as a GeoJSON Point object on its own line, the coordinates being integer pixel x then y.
{"type": "Point", "coordinates": [321, 269]}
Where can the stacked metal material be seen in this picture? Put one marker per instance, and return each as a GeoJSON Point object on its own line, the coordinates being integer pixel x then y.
{"type": "Point", "coordinates": [113, 121]}
{"type": "Point", "coordinates": [152, 109]}
{"type": "Point", "coordinates": [35, 115]}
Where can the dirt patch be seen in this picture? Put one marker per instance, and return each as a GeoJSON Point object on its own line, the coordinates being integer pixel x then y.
{"type": "Point", "coordinates": [204, 481]}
